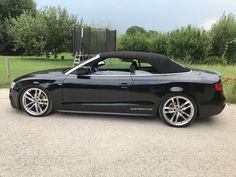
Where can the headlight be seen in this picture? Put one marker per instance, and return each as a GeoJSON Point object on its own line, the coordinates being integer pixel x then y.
{"type": "Point", "coordinates": [13, 85]}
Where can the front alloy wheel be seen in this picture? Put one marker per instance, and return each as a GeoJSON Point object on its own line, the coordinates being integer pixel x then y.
{"type": "Point", "coordinates": [178, 111]}
{"type": "Point", "coordinates": [35, 102]}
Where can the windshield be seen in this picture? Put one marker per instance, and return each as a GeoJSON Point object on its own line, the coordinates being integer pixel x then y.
{"type": "Point", "coordinates": [66, 70]}
{"type": "Point", "coordinates": [82, 64]}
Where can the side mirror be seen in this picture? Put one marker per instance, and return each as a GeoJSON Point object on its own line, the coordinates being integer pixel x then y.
{"type": "Point", "coordinates": [101, 63]}
{"type": "Point", "coordinates": [82, 71]}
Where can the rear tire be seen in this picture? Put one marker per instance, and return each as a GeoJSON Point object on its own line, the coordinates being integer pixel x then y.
{"type": "Point", "coordinates": [178, 110]}
{"type": "Point", "coordinates": [36, 102]}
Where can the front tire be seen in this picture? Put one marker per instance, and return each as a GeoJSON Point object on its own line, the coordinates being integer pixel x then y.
{"type": "Point", "coordinates": [35, 101]}
{"type": "Point", "coordinates": [178, 110]}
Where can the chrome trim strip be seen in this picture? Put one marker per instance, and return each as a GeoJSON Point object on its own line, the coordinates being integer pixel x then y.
{"type": "Point", "coordinates": [82, 64]}
{"type": "Point", "coordinates": [105, 113]}
{"type": "Point", "coordinates": [141, 109]}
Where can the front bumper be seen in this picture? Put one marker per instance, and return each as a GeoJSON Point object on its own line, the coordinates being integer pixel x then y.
{"type": "Point", "coordinates": [14, 99]}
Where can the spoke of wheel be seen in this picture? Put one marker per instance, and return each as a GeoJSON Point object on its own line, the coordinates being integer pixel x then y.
{"type": "Point", "coordinates": [183, 116]}
{"type": "Point", "coordinates": [177, 118]}
{"type": "Point", "coordinates": [36, 108]}
{"type": "Point", "coordinates": [173, 101]}
{"type": "Point", "coordinates": [177, 101]}
{"type": "Point", "coordinates": [186, 107]}
{"type": "Point", "coordinates": [39, 93]}
{"type": "Point", "coordinates": [35, 94]}
{"type": "Point", "coordinates": [32, 106]}
{"type": "Point", "coordinates": [172, 118]}
{"type": "Point", "coordinates": [169, 110]}
{"type": "Point", "coordinates": [43, 101]}
{"type": "Point", "coordinates": [185, 104]}
{"type": "Point", "coordinates": [182, 112]}
{"type": "Point", "coordinates": [29, 103]}
{"type": "Point", "coordinates": [40, 108]}
{"type": "Point", "coordinates": [31, 99]}
{"type": "Point", "coordinates": [27, 93]}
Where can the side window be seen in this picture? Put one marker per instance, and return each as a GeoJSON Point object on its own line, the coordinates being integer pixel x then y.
{"type": "Point", "coordinates": [119, 66]}
{"type": "Point", "coordinates": [145, 68]}
{"type": "Point", "coordinates": [116, 63]}
{"type": "Point", "coordinates": [113, 66]}
{"type": "Point", "coordinates": [145, 65]}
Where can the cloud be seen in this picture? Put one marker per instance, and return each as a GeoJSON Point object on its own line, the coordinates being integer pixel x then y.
{"type": "Point", "coordinates": [161, 15]}
{"type": "Point", "coordinates": [207, 24]}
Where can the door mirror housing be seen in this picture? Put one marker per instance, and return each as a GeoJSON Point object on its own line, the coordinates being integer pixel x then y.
{"type": "Point", "coordinates": [101, 63]}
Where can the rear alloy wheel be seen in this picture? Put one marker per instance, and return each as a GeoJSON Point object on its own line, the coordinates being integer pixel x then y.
{"type": "Point", "coordinates": [178, 110]}
{"type": "Point", "coordinates": [36, 102]}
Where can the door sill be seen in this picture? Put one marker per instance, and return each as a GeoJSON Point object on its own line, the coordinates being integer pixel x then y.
{"type": "Point", "coordinates": [105, 113]}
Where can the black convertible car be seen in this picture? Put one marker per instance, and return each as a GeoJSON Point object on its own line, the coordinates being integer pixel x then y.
{"type": "Point", "coordinates": [122, 83]}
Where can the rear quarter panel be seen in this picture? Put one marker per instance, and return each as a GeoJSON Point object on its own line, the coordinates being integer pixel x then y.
{"type": "Point", "coordinates": [151, 89]}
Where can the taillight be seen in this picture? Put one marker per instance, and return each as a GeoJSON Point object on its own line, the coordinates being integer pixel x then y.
{"type": "Point", "coordinates": [218, 86]}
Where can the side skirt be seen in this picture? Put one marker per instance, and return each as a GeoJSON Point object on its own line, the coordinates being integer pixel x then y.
{"type": "Point", "coordinates": [105, 113]}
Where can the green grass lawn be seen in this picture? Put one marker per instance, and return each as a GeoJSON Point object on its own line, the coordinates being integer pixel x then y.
{"type": "Point", "coordinates": [228, 73]}
{"type": "Point", "coordinates": [22, 65]}
{"type": "Point", "coordinates": [225, 70]}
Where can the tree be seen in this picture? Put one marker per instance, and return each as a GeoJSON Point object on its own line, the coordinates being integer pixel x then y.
{"type": "Point", "coordinates": [189, 43]}
{"type": "Point", "coordinates": [5, 38]}
{"type": "Point", "coordinates": [135, 29]}
{"type": "Point", "coordinates": [30, 32]}
{"type": "Point", "coordinates": [223, 35]}
{"type": "Point", "coordinates": [49, 30]}
{"type": "Point", "coordinates": [158, 42]}
{"type": "Point", "coordinates": [135, 42]}
{"type": "Point", "coordinates": [11, 9]}
{"type": "Point", "coordinates": [59, 28]}
{"type": "Point", "coordinates": [14, 8]}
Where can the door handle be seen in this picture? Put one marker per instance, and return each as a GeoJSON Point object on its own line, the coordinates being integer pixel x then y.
{"type": "Point", "coordinates": [124, 85]}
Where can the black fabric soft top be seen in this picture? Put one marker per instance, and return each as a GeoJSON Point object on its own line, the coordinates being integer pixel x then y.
{"type": "Point", "coordinates": [160, 62]}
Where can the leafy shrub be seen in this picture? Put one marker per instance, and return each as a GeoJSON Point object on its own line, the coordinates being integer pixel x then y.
{"type": "Point", "coordinates": [234, 91]}
{"type": "Point", "coordinates": [223, 35]}
{"type": "Point", "coordinates": [214, 60]}
{"type": "Point", "coordinates": [158, 42]}
{"type": "Point", "coordinates": [189, 42]}
{"type": "Point", "coordinates": [135, 29]}
{"type": "Point", "coordinates": [135, 42]}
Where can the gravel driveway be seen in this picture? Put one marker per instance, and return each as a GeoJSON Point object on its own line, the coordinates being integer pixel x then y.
{"type": "Point", "coordinates": [107, 146]}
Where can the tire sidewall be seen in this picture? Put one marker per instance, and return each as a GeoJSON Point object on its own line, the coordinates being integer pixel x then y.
{"type": "Point", "coordinates": [163, 101]}
{"type": "Point", "coordinates": [49, 109]}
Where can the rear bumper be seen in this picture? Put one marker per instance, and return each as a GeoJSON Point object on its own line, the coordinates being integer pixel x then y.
{"type": "Point", "coordinates": [212, 107]}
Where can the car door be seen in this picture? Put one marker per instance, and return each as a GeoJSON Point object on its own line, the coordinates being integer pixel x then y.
{"type": "Point", "coordinates": [147, 90]}
{"type": "Point", "coordinates": [103, 92]}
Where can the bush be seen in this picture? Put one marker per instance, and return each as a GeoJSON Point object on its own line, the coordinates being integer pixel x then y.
{"type": "Point", "coordinates": [214, 60]}
{"type": "Point", "coordinates": [136, 42]}
{"type": "Point", "coordinates": [189, 43]}
{"type": "Point", "coordinates": [135, 29]}
{"type": "Point", "coordinates": [223, 35]}
{"type": "Point", "coordinates": [234, 90]}
{"type": "Point", "coordinates": [158, 43]}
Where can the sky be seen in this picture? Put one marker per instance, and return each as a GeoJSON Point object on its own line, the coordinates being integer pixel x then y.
{"type": "Point", "coordinates": [159, 15]}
